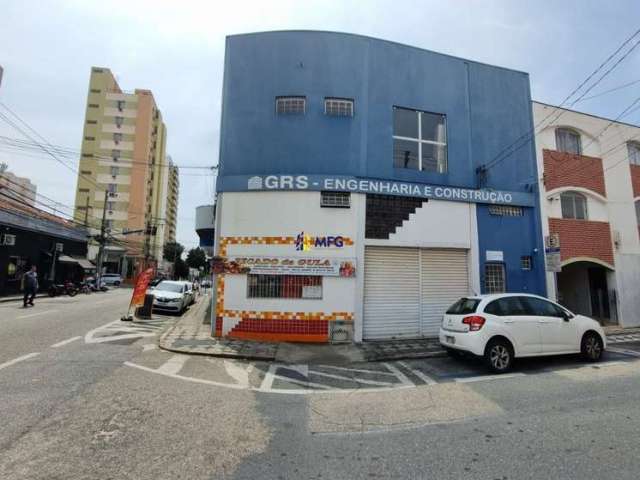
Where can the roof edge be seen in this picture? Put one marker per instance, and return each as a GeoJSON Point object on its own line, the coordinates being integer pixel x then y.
{"type": "Point", "coordinates": [368, 37]}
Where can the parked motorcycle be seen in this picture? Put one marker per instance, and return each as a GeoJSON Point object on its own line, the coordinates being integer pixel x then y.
{"type": "Point", "coordinates": [84, 287]}
{"type": "Point", "coordinates": [94, 287]}
{"type": "Point", "coordinates": [67, 288]}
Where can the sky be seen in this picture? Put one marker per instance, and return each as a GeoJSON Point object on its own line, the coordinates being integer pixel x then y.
{"type": "Point", "coordinates": [176, 50]}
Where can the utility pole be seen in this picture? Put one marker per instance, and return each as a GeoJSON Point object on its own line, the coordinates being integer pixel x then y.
{"type": "Point", "coordinates": [102, 240]}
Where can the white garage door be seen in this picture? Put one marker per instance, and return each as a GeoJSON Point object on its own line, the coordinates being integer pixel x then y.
{"type": "Point", "coordinates": [407, 290]}
{"type": "Point", "coordinates": [445, 278]}
{"type": "Point", "coordinates": [391, 293]}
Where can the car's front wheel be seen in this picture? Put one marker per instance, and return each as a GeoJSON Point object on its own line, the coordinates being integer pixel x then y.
{"type": "Point", "coordinates": [592, 347]}
{"type": "Point", "coordinates": [498, 355]}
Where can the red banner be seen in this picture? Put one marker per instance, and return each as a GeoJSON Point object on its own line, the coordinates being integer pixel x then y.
{"type": "Point", "coordinates": [140, 289]}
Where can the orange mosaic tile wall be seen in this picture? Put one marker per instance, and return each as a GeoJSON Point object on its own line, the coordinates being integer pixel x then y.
{"type": "Point", "coordinates": [273, 326]}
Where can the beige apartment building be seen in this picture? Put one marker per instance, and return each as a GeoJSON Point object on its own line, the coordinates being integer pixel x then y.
{"type": "Point", "coordinates": [124, 157]}
{"type": "Point", "coordinates": [19, 188]}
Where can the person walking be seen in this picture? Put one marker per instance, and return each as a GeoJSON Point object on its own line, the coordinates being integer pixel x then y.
{"type": "Point", "coordinates": [30, 286]}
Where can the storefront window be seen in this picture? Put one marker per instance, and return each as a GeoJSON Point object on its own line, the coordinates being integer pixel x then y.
{"type": "Point", "coordinates": [284, 286]}
{"type": "Point", "coordinates": [15, 268]}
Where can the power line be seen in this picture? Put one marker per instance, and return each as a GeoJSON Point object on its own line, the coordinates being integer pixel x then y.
{"type": "Point", "coordinates": [528, 136]}
{"type": "Point", "coordinates": [611, 90]}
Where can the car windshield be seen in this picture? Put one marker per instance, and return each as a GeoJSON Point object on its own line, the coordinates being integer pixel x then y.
{"type": "Point", "coordinates": [170, 287]}
{"type": "Point", "coordinates": [464, 306]}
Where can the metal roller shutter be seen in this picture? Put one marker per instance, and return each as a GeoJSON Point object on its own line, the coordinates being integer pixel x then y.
{"type": "Point", "coordinates": [407, 290]}
{"type": "Point", "coordinates": [391, 293]}
{"type": "Point", "coordinates": [445, 278]}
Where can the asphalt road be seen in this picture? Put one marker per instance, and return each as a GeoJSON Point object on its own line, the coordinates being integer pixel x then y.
{"type": "Point", "coordinates": [97, 400]}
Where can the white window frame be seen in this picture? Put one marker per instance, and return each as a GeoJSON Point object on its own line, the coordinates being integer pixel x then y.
{"type": "Point", "coordinates": [503, 280]}
{"type": "Point", "coordinates": [290, 98]}
{"type": "Point", "coordinates": [340, 107]}
{"type": "Point", "coordinates": [633, 150]}
{"type": "Point", "coordinates": [573, 196]}
{"type": "Point", "coordinates": [571, 131]}
{"type": "Point", "coordinates": [421, 141]}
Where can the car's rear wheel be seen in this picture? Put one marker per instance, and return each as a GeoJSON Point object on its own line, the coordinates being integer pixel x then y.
{"type": "Point", "coordinates": [592, 347]}
{"type": "Point", "coordinates": [498, 355]}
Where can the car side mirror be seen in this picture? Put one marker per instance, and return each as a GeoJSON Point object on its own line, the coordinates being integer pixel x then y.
{"type": "Point", "coordinates": [566, 317]}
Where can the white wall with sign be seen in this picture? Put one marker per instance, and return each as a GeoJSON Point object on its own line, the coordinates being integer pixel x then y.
{"type": "Point", "coordinates": [286, 214]}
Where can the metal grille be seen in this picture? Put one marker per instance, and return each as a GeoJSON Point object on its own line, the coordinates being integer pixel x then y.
{"type": "Point", "coordinates": [290, 105]}
{"type": "Point", "coordinates": [525, 262]}
{"type": "Point", "coordinates": [335, 199]}
{"type": "Point", "coordinates": [506, 210]}
{"type": "Point", "coordinates": [494, 278]}
{"type": "Point", "coordinates": [338, 107]}
{"type": "Point", "coordinates": [284, 286]}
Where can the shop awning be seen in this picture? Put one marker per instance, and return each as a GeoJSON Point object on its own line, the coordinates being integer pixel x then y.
{"type": "Point", "coordinates": [83, 262]}
{"type": "Point", "coordinates": [86, 264]}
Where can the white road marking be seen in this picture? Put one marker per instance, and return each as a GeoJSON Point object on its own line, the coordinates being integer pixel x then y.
{"type": "Point", "coordinates": [350, 379]}
{"type": "Point", "coordinates": [149, 346]}
{"type": "Point", "coordinates": [173, 365]}
{"type": "Point", "coordinates": [260, 389]}
{"type": "Point", "coordinates": [481, 378]}
{"type": "Point", "coordinates": [267, 382]}
{"type": "Point", "coordinates": [64, 342]}
{"type": "Point", "coordinates": [36, 314]}
{"type": "Point", "coordinates": [237, 372]}
{"type": "Point", "coordinates": [118, 325]}
{"type": "Point", "coordinates": [357, 370]}
{"type": "Point", "coordinates": [19, 359]}
{"type": "Point", "coordinates": [399, 375]}
{"type": "Point", "coordinates": [422, 376]}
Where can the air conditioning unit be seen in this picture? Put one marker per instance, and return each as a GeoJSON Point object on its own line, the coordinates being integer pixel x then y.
{"type": "Point", "coordinates": [9, 240]}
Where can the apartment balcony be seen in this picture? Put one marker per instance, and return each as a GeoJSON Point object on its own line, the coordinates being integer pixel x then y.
{"type": "Point", "coordinates": [563, 169]}
{"type": "Point", "coordinates": [583, 239]}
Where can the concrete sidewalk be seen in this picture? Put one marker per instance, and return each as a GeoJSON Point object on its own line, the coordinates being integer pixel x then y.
{"type": "Point", "coordinates": [191, 334]}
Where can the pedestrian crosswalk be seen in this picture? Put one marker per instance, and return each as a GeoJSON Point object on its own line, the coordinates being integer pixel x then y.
{"type": "Point", "coordinates": [623, 338]}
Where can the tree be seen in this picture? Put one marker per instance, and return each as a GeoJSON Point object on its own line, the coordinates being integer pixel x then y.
{"type": "Point", "coordinates": [180, 269]}
{"type": "Point", "coordinates": [197, 258]}
{"type": "Point", "coordinates": [172, 251]}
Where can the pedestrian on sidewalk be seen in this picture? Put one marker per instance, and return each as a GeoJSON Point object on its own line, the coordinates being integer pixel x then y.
{"type": "Point", "coordinates": [30, 286]}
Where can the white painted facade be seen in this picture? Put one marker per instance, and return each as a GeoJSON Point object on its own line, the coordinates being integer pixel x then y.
{"type": "Point", "coordinates": [607, 140]}
{"type": "Point", "coordinates": [437, 225]}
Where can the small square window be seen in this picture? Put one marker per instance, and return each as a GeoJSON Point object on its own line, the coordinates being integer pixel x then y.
{"type": "Point", "coordinates": [335, 199]}
{"type": "Point", "coordinates": [338, 107]}
{"type": "Point", "coordinates": [90, 138]}
{"type": "Point", "coordinates": [94, 105]}
{"type": "Point", "coordinates": [290, 105]}
{"type": "Point", "coordinates": [525, 262]}
{"type": "Point", "coordinates": [92, 122]}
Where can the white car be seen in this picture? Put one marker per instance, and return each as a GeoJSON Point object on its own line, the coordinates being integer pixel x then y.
{"type": "Point", "coordinates": [191, 294]}
{"type": "Point", "coordinates": [111, 279]}
{"type": "Point", "coordinates": [502, 327]}
{"type": "Point", "coordinates": [170, 296]}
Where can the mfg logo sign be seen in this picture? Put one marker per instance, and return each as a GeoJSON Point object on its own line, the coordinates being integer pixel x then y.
{"type": "Point", "coordinates": [307, 242]}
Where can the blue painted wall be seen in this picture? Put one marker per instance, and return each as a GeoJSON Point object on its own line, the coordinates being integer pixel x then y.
{"type": "Point", "coordinates": [487, 108]}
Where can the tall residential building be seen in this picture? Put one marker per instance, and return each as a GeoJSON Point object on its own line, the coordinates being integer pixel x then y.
{"type": "Point", "coordinates": [20, 188]}
{"type": "Point", "coordinates": [123, 153]}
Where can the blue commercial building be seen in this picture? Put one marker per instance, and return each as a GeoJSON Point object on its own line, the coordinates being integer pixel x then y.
{"type": "Point", "coordinates": [361, 188]}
